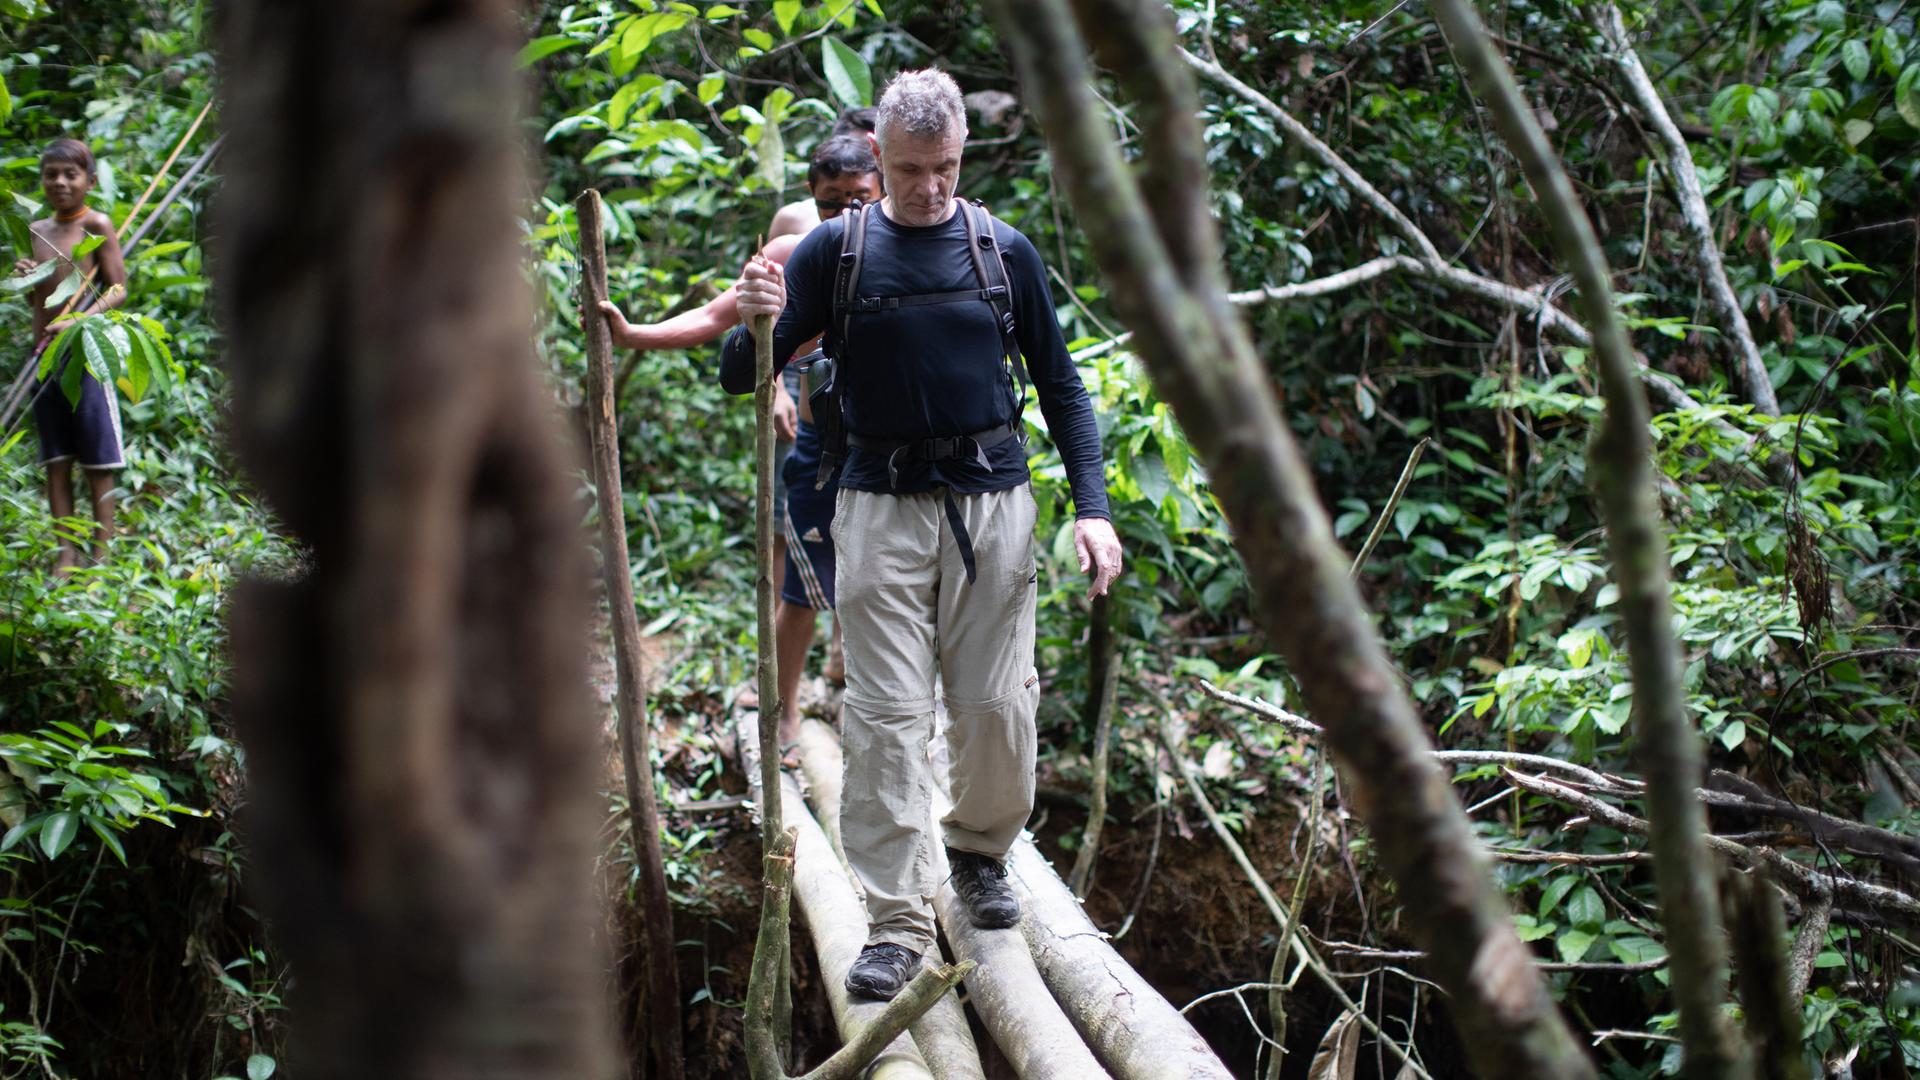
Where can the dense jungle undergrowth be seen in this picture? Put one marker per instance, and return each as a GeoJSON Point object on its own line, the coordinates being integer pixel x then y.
{"type": "Point", "coordinates": [128, 946]}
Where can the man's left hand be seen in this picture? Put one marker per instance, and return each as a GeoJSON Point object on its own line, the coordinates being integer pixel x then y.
{"type": "Point", "coordinates": [1099, 550]}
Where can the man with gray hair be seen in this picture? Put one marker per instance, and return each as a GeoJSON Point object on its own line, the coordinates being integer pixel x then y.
{"type": "Point", "coordinates": [930, 307]}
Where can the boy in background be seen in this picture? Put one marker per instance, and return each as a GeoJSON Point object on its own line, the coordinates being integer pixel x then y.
{"type": "Point", "coordinates": [87, 431]}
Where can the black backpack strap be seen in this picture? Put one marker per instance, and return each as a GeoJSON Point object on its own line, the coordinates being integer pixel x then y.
{"type": "Point", "coordinates": [846, 278]}
{"type": "Point", "coordinates": [990, 267]}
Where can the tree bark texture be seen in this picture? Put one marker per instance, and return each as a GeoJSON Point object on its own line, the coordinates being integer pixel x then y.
{"type": "Point", "coordinates": [420, 745]}
{"type": "Point", "coordinates": [1772, 1014]}
{"type": "Point", "coordinates": [1622, 464]}
{"type": "Point", "coordinates": [1171, 293]}
{"type": "Point", "coordinates": [1131, 1028]}
{"type": "Point", "coordinates": [657, 1008]}
{"type": "Point", "coordinates": [1693, 211]}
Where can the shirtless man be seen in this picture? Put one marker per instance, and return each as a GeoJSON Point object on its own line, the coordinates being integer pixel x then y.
{"type": "Point", "coordinates": [841, 170]}
{"type": "Point", "coordinates": [798, 218]}
{"type": "Point", "coordinates": [87, 431]}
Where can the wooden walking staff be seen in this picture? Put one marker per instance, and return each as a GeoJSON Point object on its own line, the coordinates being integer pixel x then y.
{"type": "Point", "coordinates": [771, 826]}
{"type": "Point", "coordinates": [659, 1015]}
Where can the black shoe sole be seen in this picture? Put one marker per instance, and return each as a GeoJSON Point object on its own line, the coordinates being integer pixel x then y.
{"type": "Point", "coordinates": [994, 924]}
{"type": "Point", "coordinates": [867, 993]}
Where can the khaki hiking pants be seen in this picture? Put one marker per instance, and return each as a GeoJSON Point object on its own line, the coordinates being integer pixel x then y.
{"type": "Point", "coordinates": [906, 610]}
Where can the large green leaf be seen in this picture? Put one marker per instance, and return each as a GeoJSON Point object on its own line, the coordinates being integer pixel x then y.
{"type": "Point", "coordinates": [847, 73]}
{"type": "Point", "coordinates": [1904, 97]}
{"type": "Point", "coordinates": [140, 364]}
{"type": "Point", "coordinates": [73, 376]}
{"type": "Point", "coordinates": [58, 832]}
{"type": "Point", "coordinates": [64, 291]}
{"type": "Point", "coordinates": [32, 277]}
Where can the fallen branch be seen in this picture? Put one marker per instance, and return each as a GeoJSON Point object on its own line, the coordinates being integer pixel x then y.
{"type": "Point", "coordinates": [1386, 512]}
{"type": "Point", "coordinates": [1816, 914]}
{"type": "Point", "coordinates": [1804, 882]}
{"type": "Point", "coordinates": [1884, 845]}
{"type": "Point", "coordinates": [1364, 952]}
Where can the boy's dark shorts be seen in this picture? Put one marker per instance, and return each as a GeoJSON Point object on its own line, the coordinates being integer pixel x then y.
{"type": "Point", "coordinates": [810, 566]}
{"type": "Point", "coordinates": [88, 432]}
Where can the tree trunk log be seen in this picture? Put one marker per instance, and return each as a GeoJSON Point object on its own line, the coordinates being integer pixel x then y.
{"type": "Point", "coordinates": [1019, 1011]}
{"type": "Point", "coordinates": [421, 759]}
{"type": "Point", "coordinates": [1132, 1029]}
{"type": "Point", "coordinates": [657, 1008]}
{"type": "Point", "coordinates": [1622, 465]}
{"type": "Point", "coordinates": [1205, 367]}
{"type": "Point", "coordinates": [1693, 210]}
{"type": "Point", "coordinates": [824, 768]}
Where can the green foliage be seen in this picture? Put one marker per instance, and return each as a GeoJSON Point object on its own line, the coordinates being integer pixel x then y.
{"type": "Point", "coordinates": [119, 766]}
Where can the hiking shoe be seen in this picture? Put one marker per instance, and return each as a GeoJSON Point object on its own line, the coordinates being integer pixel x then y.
{"type": "Point", "coordinates": [882, 971]}
{"type": "Point", "coordinates": [981, 883]}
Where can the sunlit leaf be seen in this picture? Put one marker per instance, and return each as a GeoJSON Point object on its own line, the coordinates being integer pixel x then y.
{"type": "Point", "coordinates": [847, 74]}
{"type": "Point", "coordinates": [784, 12]}
{"type": "Point", "coordinates": [542, 47]}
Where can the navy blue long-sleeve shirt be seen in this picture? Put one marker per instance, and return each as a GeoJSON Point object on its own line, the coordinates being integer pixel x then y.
{"type": "Point", "coordinates": [935, 369]}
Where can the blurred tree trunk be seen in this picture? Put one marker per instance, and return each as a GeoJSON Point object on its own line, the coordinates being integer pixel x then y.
{"type": "Point", "coordinates": [413, 700]}
{"type": "Point", "coordinates": [1155, 241]}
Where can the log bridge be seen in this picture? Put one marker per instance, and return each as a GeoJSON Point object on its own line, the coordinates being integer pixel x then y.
{"type": "Point", "coordinates": [1055, 997]}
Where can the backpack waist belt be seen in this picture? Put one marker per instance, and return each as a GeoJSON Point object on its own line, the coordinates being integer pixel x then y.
{"type": "Point", "coordinates": [940, 448]}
